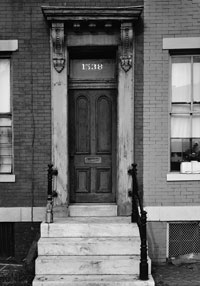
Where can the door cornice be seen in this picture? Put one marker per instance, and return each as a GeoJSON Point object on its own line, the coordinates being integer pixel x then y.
{"type": "Point", "coordinates": [62, 13]}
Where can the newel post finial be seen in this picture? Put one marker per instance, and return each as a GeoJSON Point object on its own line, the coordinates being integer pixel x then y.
{"type": "Point", "coordinates": [58, 46]}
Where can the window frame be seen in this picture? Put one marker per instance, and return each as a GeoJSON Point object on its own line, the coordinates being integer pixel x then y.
{"type": "Point", "coordinates": [177, 175]}
{"type": "Point", "coordinates": [9, 177]}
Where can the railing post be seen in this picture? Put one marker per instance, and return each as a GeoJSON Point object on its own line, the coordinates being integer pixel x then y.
{"type": "Point", "coordinates": [134, 213]}
{"type": "Point", "coordinates": [143, 250]}
{"type": "Point", "coordinates": [141, 220]}
{"type": "Point", "coordinates": [49, 209]}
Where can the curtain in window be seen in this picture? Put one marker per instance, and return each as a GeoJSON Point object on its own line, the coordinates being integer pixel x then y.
{"type": "Point", "coordinates": [4, 85]}
{"type": "Point", "coordinates": [181, 81]}
{"type": "Point", "coordinates": [180, 126]}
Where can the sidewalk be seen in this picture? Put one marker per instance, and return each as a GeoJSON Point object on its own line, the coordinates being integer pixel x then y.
{"type": "Point", "coordinates": [176, 275]}
{"type": "Point", "coordinates": [15, 274]}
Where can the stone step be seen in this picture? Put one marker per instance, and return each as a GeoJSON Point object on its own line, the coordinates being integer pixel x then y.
{"type": "Point", "coordinates": [91, 280]}
{"type": "Point", "coordinates": [90, 227]}
{"type": "Point", "coordinates": [89, 246]}
{"type": "Point", "coordinates": [87, 265]}
{"type": "Point", "coordinates": [94, 210]}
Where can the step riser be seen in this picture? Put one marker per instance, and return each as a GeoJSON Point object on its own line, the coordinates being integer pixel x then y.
{"type": "Point", "coordinates": [109, 280]}
{"type": "Point", "coordinates": [88, 230]}
{"type": "Point", "coordinates": [92, 210]}
{"type": "Point", "coordinates": [87, 265]}
{"type": "Point", "coordinates": [60, 283]}
{"type": "Point", "coordinates": [89, 246]}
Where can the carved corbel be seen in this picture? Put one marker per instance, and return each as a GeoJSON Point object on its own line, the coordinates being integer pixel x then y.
{"type": "Point", "coordinates": [126, 56]}
{"type": "Point", "coordinates": [58, 45]}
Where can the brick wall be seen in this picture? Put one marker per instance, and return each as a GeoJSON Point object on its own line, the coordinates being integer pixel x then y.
{"type": "Point", "coordinates": [177, 18]}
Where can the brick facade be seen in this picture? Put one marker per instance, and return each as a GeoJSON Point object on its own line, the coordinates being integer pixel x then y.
{"type": "Point", "coordinates": [163, 19]}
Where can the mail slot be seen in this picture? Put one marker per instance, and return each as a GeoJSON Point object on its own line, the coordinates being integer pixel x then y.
{"type": "Point", "coordinates": [92, 160]}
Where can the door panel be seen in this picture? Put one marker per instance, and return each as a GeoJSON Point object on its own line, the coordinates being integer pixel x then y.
{"type": "Point", "coordinates": [82, 125]}
{"type": "Point", "coordinates": [104, 125]}
{"type": "Point", "coordinates": [92, 138]}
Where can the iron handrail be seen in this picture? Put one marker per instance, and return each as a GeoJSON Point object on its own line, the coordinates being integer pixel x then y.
{"type": "Point", "coordinates": [50, 193]}
{"type": "Point", "coordinates": [140, 217]}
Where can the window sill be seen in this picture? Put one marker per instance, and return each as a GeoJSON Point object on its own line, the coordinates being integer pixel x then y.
{"type": "Point", "coordinates": [182, 177]}
{"type": "Point", "coordinates": [7, 178]}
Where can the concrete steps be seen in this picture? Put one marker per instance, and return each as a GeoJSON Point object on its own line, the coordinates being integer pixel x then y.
{"type": "Point", "coordinates": [89, 246]}
{"type": "Point", "coordinates": [89, 251]}
{"type": "Point", "coordinates": [95, 210]}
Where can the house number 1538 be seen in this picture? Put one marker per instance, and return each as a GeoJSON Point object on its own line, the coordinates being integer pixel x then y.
{"type": "Point", "coordinates": [87, 67]}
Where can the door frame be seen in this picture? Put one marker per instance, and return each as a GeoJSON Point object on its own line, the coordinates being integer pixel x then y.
{"type": "Point", "coordinates": [123, 38]}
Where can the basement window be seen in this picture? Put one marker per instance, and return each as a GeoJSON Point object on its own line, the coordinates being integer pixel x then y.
{"type": "Point", "coordinates": [184, 238]}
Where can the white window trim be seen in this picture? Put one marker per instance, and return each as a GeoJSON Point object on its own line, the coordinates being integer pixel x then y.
{"type": "Point", "coordinates": [175, 177]}
{"type": "Point", "coordinates": [8, 46]}
{"type": "Point", "coordinates": [7, 178]}
{"type": "Point", "coordinates": [180, 43]}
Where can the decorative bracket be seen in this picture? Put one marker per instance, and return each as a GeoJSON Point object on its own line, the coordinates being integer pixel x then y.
{"type": "Point", "coordinates": [57, 35]}
{"type": "Point", "coordinates": [126, 57]}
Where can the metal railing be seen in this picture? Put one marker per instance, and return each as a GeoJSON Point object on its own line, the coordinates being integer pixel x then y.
{"type": "Point", "coordinates": [51, 194]}
{"type": "Point", "coordinates": [139, 215]}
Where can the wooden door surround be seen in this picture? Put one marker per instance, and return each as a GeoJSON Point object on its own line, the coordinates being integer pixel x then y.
{"type": "Point", "coordinates": [90, 26]}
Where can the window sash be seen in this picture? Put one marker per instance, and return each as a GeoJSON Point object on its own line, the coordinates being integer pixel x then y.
{"type": "Point", "coordinates": [6, 149]}
{"type": "Point", "coordinates": [185, 110]}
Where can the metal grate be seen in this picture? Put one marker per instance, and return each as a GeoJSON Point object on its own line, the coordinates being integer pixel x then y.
{"type": "Point", "coordinates": [184, 238]}
{"type": "Point", "coordinates": [6, 239]}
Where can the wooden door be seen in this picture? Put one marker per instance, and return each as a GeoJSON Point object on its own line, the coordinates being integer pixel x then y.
{"type": "Point", "coordinates": [92, 145]}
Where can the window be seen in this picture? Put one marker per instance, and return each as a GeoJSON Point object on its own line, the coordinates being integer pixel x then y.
{"type": "Point", "coordinates": [185, 112]}
{"type": "Point", "coordinates": [6, 160]}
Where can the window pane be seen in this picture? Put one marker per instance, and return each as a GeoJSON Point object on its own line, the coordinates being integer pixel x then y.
{"type": "Point", "coordinates": [181, 79]}
{"type": "Point", "coordinates": [196, 79]}
{"type": "Point", "coordinates": [5, 149]}
{"type": "Point", "coordinates": [4, 85]}
{"type": "Point", "coordinates": [195, 150]}
{"type": "Point", "coordinates": [196, 126]}
{"type": "Point", "coordinates": [179, 149]}
{"type": "Point", "coordinates": [181, 108]}
{"type": "Point", "coordinates": [180, 126]}
{"type": "Point", "coordinates": [196, 107]}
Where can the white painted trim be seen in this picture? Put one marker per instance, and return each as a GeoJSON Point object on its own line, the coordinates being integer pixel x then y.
{"type": "Point", "coordinates": [173, 213]}
{"type": "Point", "coordinates": [171, 177]}
{"type": "Point", "coordinates": [22, 214]}
{"type": "Point", "coordinates": [7, 178]}
{"type": "Point", "coordinates": [8, 45]}
{"type": "Point", "coordinates": [181, 43]}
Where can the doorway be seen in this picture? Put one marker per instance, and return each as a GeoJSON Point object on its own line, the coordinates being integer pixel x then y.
{"type": "Point", "coordinates": [92, 125]}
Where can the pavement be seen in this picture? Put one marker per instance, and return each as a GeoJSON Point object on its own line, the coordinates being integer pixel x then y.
{"type": "Point", "coordinates": [187, 274]}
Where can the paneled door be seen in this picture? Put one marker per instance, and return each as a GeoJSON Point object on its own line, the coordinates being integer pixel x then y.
{"type": "Point", "coordinates": [92, 145]}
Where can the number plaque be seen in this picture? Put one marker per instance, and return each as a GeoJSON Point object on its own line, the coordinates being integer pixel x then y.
{"type": "Point", "coordinates": [93, 69]}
